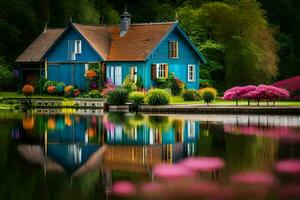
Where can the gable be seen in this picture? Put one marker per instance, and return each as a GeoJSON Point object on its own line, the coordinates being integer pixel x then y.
{"type": "Point", "coordinates": [64, 46]}
{"type": "Point", "coordinates": [187, 50]}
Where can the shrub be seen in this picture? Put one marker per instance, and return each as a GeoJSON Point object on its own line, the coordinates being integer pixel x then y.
{"type": "Point", "coordinates": [94, 94]}
{"type": "Point", "coordinates": [51, 89]}
{"type": "Point", "coordinates": [28, 90]}
{"type": "Point", "coordinates": [158, 97]}
{"type": "Point", "coordinates": [137, 98]}
{"type": "Point", "coordinates": [208, 94]}
{"type": "Point", "coordinates": [139, 82]}
{"type": "Point", "coordinates": [59, 88]}
{"type": "Point", "coordinates": [68, 89]}
{"type": "Point", "coordinates": [190, 95]}
{"type": "Point", "coordinates": [129, 84]}
{"type": "Point", "coordinates": [176, 85]}
{"type": "Point", "coordinates": [49, 83]}
{"type": "Point", "coordinates": [40, 85]}
{"type": "Point", "coordinates": [162, 83]}
{"type": "Point", "coordinates": [117, 97]}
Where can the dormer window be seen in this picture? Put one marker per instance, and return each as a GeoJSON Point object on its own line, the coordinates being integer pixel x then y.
{"type": "Point", "coordinates": [77, 48]}
{"type": "Point", "coordinates": [173, 49]}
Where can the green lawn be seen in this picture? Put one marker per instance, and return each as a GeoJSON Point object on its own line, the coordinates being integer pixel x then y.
{"type": "Point", "coordinates": [179, 100]}
{"type": "Point", "coordinates": [19, 95]}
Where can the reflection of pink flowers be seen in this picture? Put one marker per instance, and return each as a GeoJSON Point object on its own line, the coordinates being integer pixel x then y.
{"type": "Point", "coordinates": [204, 164]}
{"type": "Point", "coordinates": [290, 166]}
{"type": "Point", "coordinates": [108, 125]}
{"type": "Point", "coordinates": [170, 172]}
{"type": "Point", "coordinates": [279, 132]}
{"type": "Point", "coordinates": [254, 178]}
{"type": "Point", "coordinates": [124, 188]}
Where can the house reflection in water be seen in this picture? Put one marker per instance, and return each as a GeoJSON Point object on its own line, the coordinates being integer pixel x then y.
{"type": "Point", "coordinates": [138, 144]}
{"type": "Point", "coordinates": [108, 143]}
{"type": "Point", "coordinates": [70, 143]}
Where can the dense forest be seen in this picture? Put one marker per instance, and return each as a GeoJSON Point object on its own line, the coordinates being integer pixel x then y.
{"type": "Point", "coordinates": [244, 41]}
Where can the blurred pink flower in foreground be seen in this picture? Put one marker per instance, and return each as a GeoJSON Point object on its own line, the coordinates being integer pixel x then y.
{"type": "Point", "coordinates": [290, 166]}
{"type": "Point", "coordinates": [254, 178]}
{"type": "Point", "coordinates": [167, 171]}
{"type": "Point", "coordinates": [204, 164]}
{"type": "Point", "coordinates": [124, 189]}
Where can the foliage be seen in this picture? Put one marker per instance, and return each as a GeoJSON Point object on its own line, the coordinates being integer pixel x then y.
{"type": "Point", "coordinates": [137, 98]}
{"type": "Point", "coordinates": [208, 94]}
{"type": "Point", "coordinates": [129, 84]}
{"type": "Point", "coordinates": [190, 95]}
{"type": "Point", "coordinates": [6, 77]}
{"type": "Point", "coordinates": [239, 39]}
{"type": "Point", "coordinates": [108, 87]}
{"type": "Point", "coordinates": [139, 82]}
{"type": "Point", "coordinates": [162, 83]}
{"type": "Point", "coordinates": [158, 97]}
{"type": "Point", "coordinates": [40, 85]}
{"type": "Point", "coordinates": [237, 92]}
{"type": "Point", "coordinates": [173, 83]}
{"type": "Point", "coordinates": [28, 90]}
{"type": "Point", "coordinates": [176, 85]}
{"type": "Point", "coordinates": [94, 94]}
{"type": "Point", "coordinates": [119, 96]}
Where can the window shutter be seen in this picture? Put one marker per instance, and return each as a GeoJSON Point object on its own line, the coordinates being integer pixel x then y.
{"type": "Point", "coordinates": [170, 49]}
{"type": "Point", "coordinates": [153, 71]}
{"type": "Point", "coordinates": [166, 71]}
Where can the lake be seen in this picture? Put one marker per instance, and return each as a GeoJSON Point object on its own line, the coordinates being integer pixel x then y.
{"type": "Point", "coordinates": [80, 154]}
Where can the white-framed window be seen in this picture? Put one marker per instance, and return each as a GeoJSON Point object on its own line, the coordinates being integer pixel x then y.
{"type": "Point", "coordinates": [161, 70]}
{"type": "Point", "coordinates": [77, 47]}
{"type": "Point", "coordinates": [173, 49]}
{"type": "Point", "coordinates": [133, 73]}
{"type": "Point", "coordinates": [191, 126]}
{"type": "Point", "coordinates": [191, 73]}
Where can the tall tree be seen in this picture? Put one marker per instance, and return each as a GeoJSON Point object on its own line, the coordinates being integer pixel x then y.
{"type": "Point", "coordinates": [239, 36]}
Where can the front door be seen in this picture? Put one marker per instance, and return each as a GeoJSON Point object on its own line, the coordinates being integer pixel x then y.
{"type": "Point", "coordinates": [118, 75]}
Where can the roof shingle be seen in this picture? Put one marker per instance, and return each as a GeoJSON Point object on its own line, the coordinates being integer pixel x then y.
{"type": "Point", "coordinates": [38, 48]}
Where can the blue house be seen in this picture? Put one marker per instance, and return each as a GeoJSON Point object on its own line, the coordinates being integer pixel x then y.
{"type": "Point", "coordinates": [148, 51]}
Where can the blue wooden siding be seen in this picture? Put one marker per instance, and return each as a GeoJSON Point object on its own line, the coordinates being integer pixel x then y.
{"type": "Point", "coordinates": [70, 74]}
{"type": "Point", "coordinates": [62, 68]}
{"type": "Point", "coordinates": [186, 56]}
{"type": "Point", "coordinates": [126, 69]}
{"type": "Point", "coordinates": [61, 52]}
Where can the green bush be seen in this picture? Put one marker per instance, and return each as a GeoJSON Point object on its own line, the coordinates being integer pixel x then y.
{"type": "Point", "coordinates": [208, 94]}
{"type": "Point", "coordinates": [162, 83]}
{"type": "Point", "coordinates": [137, 98]}
{"type": "Point", "coordinates": [129, 84]}
{"type": "Point", "coordinates": [118, 97]}
{"type": "Point", "coordinates": [158, 97]}
{"type": "Point", "coordinates": [49, 83]}
{"type": "Point", "coordinates": [94, 94]}
{"type": "Point", "coordinates": [190, 95]}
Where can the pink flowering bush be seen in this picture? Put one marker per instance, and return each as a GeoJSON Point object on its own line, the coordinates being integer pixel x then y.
{"type": "Point", "coordinates": [292, 85]}
{"type": "Point", "coordinates": [261, 92]}
{"type": "Point", "coordinates": [109, 86]}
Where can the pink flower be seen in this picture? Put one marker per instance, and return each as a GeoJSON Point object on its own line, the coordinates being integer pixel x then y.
{"type": "Point", "coordinates": [124, 188]}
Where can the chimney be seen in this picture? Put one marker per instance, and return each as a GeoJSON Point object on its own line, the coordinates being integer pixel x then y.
{"type": "Point", "coordinates": [125, 22]}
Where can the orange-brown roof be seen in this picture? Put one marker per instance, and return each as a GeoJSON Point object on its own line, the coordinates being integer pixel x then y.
{"type": "Point", "coordinates": [97, 36]}
{"type": "Point", "coordinates": [135, 45]}
{"type": "Point", "coordinates": [138, 42]}
{"type": "Point", "coordinates": [39, 47]}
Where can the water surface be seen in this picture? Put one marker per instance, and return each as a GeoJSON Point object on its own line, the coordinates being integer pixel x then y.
{"type": "Point", "coordinates": [69, 154]}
